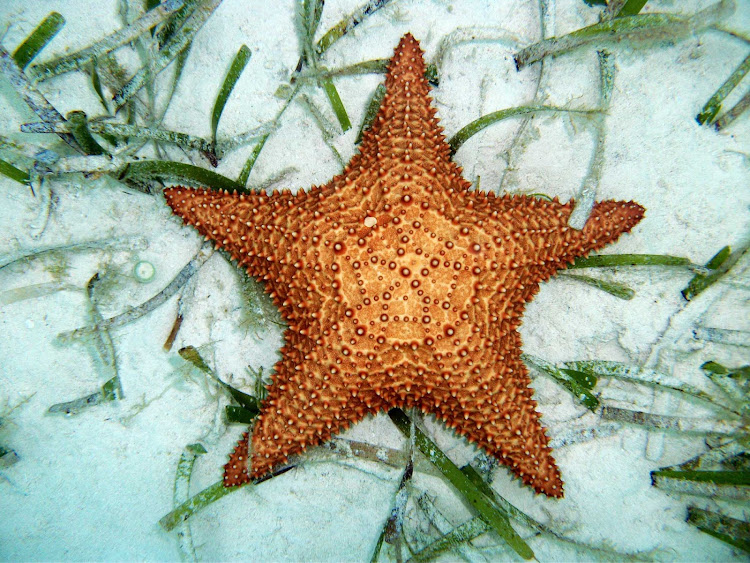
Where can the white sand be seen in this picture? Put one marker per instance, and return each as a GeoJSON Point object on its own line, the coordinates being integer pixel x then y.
{"type": "Point", "coordinates": [95, 485]}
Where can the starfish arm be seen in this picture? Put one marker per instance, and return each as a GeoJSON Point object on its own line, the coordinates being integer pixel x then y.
{"type": "Point", "coordinates": [258, 230]}
{"type": "Point", "coordinates": [308, 402]}
{"type": "Point", "coordinates": [496, 411]}
{"type": "Point", "coordinates": [405, 143]}
{"type": "Point", "coordinates": [235, 470]}
{"type": "Point", "coordinates": [406, 110]}
{"type": "Point", "coordinates": [533, 235]}
{"type": "Point", "coordinates": [250, 226]}
{"type": "Point", "coordinates": [608, 221]}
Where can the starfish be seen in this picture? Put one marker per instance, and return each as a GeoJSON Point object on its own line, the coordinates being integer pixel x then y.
{"type": "Point", "coordinates": [401, 288]}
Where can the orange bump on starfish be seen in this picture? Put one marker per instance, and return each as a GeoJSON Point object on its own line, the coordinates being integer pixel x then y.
{"type": "Point", "coordinates": [400, 287]}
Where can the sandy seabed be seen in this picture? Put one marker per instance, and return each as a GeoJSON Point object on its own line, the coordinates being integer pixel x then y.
{"type": "Point", "coordinates": [94, 486]}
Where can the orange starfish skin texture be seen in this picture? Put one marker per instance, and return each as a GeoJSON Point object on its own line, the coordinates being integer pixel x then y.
{"type": "Point", "coordinates": [401, 288]}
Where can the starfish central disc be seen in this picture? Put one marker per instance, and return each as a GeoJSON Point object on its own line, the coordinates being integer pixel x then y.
{"type": "Point", "coordinates": [408, 283]}
{"type": "Point", "coordinates": [400, 287]}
